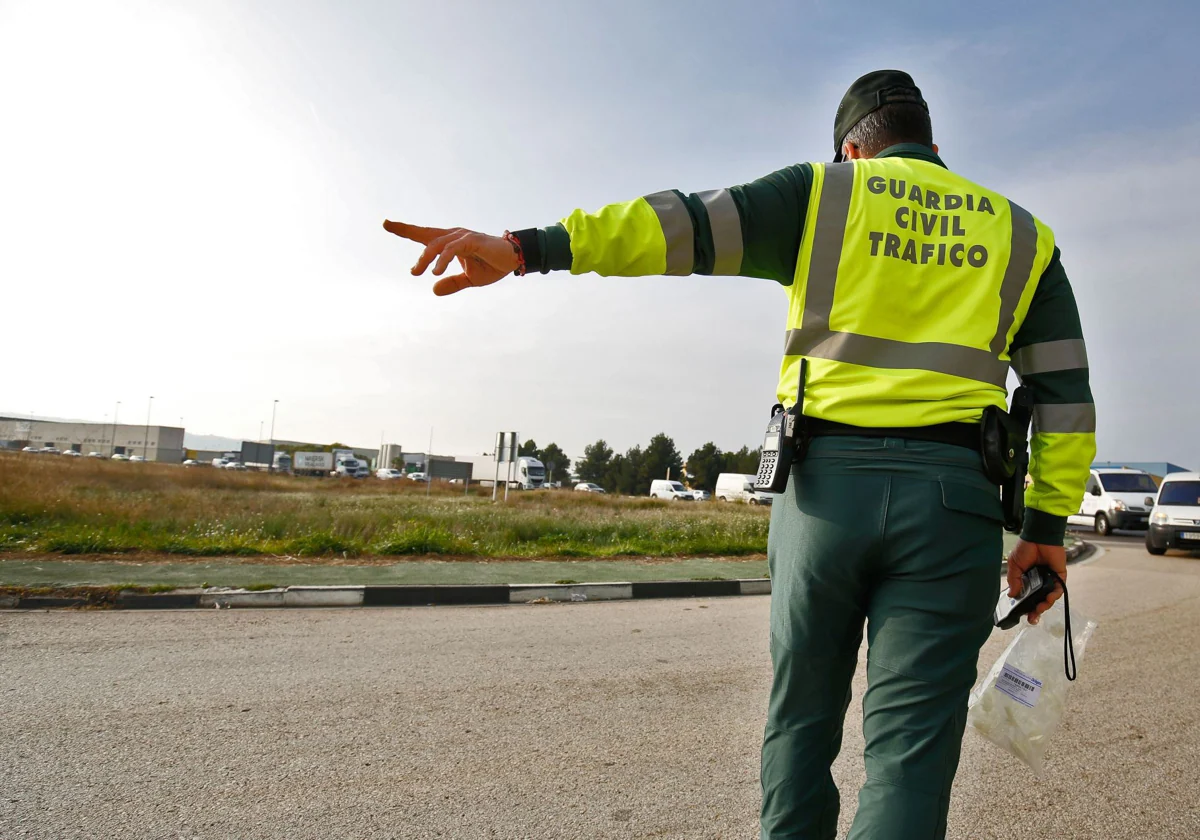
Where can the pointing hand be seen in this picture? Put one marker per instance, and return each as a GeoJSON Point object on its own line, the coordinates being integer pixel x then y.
{"type": "Point", "coordinates": [484, 259]}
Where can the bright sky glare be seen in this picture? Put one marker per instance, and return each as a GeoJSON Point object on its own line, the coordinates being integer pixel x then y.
{"type": "Point", "coordinates": [191, 197]}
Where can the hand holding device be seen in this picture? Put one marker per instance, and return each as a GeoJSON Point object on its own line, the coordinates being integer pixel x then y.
{"type": "Point", "coordinates": [1024, 557]}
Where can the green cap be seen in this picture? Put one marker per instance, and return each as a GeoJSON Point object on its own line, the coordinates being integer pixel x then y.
{"type": "Point", "coordinates": [868, 94]}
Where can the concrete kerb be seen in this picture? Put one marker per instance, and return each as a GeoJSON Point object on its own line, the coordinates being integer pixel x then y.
{"type": "Point", "coordinates": [429, 595]}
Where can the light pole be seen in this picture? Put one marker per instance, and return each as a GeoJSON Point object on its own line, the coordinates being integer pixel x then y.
{"type": "Point", "coordinates": [271, 466]}
{"type": "Point", "coordinates": [146, 436]}
{"type": "Point", "coordinates": [113, 445]}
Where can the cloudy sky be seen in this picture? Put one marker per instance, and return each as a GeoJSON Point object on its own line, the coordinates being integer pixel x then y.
{"type": "Point", "coordinates": [191, 197]}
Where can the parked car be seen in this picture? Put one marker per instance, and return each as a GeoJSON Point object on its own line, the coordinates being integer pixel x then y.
{"type": "Point", "coordinates": [417, 476]}
{"type": "Point", "coordinates": [388, 475]}
{"type": "Point", "coordinates": [30, 449]}
{"type": "Point", "coordinates": [1175, 520]}
{"type": "Point", "coordinates": [137, 459]}
{"type": "Point", "coordinates": [588, 487]}
{"type": "Point", "coordinates": [71, 453]}
{"type": "Point", "coordinates": [49, 450]}
{"type": "Point", "coordinates": [237, 466]}
{"type": "Point", "coordinates": [95, 455]}
{"type": "Point", "coordinates": [701, 495]}
{"type": "Point", "coordinates": [1116, 499]}
{"type": "Point", "coordinates": [672, 491]}
{"type": "Point", "coordinates": [119, 457]}
{"type": "Point", "coordinates": [739, 487]}
{"type": "Point", "coordinates": [192, 462]}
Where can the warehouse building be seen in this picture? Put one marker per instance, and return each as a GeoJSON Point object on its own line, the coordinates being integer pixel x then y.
{"type": "Point", "coordinates": [154, 443]}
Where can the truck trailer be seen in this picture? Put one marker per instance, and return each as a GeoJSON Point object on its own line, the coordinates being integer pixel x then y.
{"type": "Point", "coordinates": [312, 463]}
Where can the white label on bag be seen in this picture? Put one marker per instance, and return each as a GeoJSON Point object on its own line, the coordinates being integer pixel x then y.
{"type": "Point", "coordinates": [1019, 686]}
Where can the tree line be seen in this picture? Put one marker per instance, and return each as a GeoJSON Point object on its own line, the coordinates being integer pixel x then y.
{"type": "Point", "coordinates": [631, 472]}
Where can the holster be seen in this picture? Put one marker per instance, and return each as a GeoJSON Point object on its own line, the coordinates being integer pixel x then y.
{"type": "Point", "coordinates": [1004, 447]}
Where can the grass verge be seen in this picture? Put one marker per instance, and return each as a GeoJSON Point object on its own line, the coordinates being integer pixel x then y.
{"type": "Point", "coordinates": [76, 507]}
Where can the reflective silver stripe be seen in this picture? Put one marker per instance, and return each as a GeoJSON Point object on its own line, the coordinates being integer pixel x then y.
{"type": "Point", "coordinates": [950, 359]}
{"type": "Point", "coordinates": [1067, 354]}
{"type": "Point", "coordinates": [1064, 418]}
{"type": "Point", "coordinates": [676, 226]}
{"type": "Point", "coordinates": [1021, 253]}
{"type": "Point", "coordinates": [828, 236]}
{"type": "Point", "coordinates": [726, 225]}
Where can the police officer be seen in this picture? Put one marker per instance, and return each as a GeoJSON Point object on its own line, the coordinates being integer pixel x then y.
{"type": "Point", "coordinates": [911, 291]}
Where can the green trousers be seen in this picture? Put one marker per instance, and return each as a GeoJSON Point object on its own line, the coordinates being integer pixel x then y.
{"type": "Point", "coordinates": [906, 538]}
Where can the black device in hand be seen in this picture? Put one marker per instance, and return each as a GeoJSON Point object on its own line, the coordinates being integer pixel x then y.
{"type": "Point", "coordinates": [1037, 584]}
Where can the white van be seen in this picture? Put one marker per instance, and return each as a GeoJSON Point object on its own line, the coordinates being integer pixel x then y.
{"type": "Point", "coordinates": [1116, 499]}
{"type": "Point", "coordinates": [672, 491]}
{"type": "Point", "coordinates": [739, 487]}
{"type": "Point", "coordinates": [1175, 521]}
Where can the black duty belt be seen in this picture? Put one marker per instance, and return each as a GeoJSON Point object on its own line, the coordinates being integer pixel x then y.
{"type": "Point", "coordinates": [965, 435]}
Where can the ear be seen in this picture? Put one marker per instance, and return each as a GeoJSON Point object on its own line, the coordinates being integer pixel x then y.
{"type": "Point", "coordinates": [935, 148]}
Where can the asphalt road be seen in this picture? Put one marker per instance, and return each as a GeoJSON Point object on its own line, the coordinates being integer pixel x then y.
{"type": "Point", "coordinates": [619, 720]}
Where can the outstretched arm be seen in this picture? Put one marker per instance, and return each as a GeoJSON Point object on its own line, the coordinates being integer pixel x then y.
{"type": "Point", "coordinates": [752, 230]}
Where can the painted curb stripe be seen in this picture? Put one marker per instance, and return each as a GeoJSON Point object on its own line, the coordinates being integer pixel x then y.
{"type": "Point", "coordinates": [267, 598]}
{"type": "Point", "coordinates": [755, 587]}
{"type": "Point", "coordinates": [323, 596]}
{"type": "Point", "coordinates": [432, 595]}
{"type": "Point", "coordinates": [523, 593]}
{"type": "Point", "coordinates": [41, 602]}
{"type": "Point", "coordinates": [419, 596]}
{"type": "Point", "coordinates": [161, 601]}
{"type": "Point", "coordinates": [685, 588]}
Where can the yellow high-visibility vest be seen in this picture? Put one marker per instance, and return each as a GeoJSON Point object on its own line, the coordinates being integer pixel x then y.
{"type": "Point", "coordinates": [910, 285]}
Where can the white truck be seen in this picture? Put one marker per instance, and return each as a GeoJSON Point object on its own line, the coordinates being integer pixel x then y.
{"type": "Point", "coordinates": [671, 491]}
{"type": "Point", "coordinates": [527, 473]}
{"type": "Point", "coordinates": [1116, 499]}
{"type": "Point", "coordinates": [739, 487]}
{"type": "Point", "coordinates": [349, 465]}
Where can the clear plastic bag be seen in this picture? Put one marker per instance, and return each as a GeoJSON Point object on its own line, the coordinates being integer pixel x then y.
{"type": "Point", "coordinates": [1020, 703]}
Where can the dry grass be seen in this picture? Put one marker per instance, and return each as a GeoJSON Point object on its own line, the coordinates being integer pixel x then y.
{"type": "Point", "coordinates": [52, 504]}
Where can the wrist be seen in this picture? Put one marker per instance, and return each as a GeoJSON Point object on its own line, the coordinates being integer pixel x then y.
{"type": "Point", "coordinates": [1043, 528]}
{"type": "Point", "coordinates": [518, 253]}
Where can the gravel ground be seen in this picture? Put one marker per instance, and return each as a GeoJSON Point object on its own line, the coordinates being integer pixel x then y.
{"type": "Point", "coordinates": [617, 720]}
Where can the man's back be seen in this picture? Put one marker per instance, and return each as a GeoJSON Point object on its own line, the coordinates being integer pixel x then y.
{"type": "Point", "coordinates": [908, 268]}
{"type": "Point", "coordinates": [910, 291]}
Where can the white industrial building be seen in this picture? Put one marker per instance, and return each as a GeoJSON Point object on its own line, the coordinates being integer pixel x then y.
{"type": "Point", "coordinates": [155, 443]}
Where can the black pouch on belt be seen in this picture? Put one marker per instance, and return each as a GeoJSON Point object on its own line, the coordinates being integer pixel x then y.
{"type": "Point", "coordinates": [1004, 446]}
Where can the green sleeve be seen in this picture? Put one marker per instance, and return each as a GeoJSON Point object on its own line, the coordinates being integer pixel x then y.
{"type": "Point", "coordinates": [752, 230]}
{"type": "Point", "coordinates": [1049, 355]}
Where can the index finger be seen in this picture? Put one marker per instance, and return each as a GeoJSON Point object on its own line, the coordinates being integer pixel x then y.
{"type": "Point", "coordinates": [416, 233]}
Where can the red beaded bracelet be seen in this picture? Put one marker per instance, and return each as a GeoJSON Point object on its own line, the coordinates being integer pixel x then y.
{"type": "Point", "coordinates": [516, 245]}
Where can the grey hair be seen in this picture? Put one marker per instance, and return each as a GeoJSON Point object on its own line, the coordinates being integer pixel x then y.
{"type": "Point", "coordinates": [889, 125]}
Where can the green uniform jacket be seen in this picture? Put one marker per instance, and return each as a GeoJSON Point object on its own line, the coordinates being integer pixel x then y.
{"type": "Point", "coordinates": [626, 240]}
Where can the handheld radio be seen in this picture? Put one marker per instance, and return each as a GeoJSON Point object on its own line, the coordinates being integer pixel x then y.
{"type": "Point", "coordinates": [1036, 586]}
{"type": "Point", "coordinates": [784, 436]}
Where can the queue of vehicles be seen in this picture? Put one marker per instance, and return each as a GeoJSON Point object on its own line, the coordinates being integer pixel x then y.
{"type": "Point", "coordinates": [1114, 498]}
{"type": "Point", "coordinates": [1124, 499]}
